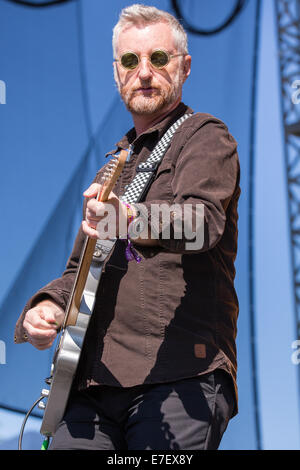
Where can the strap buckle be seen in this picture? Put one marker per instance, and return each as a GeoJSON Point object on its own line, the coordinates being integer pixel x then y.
{"type": "Point", "coordinates": [145, 169]}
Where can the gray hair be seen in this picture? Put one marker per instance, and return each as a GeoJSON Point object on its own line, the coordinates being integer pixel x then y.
{"type": "Point", "coordinates": [139, 15]}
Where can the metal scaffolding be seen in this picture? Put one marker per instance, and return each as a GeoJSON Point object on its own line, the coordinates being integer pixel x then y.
{"type": "Point", "coordinates": [288, 29]}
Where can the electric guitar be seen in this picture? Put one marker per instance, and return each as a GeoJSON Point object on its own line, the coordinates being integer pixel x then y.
{"type": "Point", "coordinates": [77, 314]}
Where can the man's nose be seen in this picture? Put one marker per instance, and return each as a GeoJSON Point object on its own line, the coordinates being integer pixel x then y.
{"type": "Point", "coordinates": [145, 70]}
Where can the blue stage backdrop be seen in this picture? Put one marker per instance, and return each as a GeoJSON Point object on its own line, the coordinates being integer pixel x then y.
{"type": "Point", "coordinates": [62, 114]}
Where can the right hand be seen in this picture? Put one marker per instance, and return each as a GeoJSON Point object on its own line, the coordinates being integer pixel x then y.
{"type": "Point", "coordinates": [42, 322]}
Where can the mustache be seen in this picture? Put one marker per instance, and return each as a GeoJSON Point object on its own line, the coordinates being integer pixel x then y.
{"type": "Point", "coordinates": [145, 84]}
{"type": "Point", "coordinates": [145, 87]}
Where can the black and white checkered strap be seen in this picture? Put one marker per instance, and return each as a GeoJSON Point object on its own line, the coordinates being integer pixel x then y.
{"type": "Point", "coordinates": [146, 170]}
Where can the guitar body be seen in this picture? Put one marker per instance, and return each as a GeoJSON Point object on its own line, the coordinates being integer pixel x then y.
{"type": "Point", "coordinates": [77, 318]}
{"type": "Point", "coordinates": [67, 354]}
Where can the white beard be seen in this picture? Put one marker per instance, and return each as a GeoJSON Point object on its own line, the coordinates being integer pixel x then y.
{"type": "Point", "coordinates": [139, 104]}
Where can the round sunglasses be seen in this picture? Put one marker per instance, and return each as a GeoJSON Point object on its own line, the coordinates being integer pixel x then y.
{"type": "Point", "coordinates": [159, 59]}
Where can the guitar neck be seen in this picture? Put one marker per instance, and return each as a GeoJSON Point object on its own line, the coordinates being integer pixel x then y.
{"type": "Point", "coordinates": [88, 250]}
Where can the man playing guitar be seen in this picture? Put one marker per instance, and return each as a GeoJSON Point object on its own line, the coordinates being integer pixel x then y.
{"type": "Point", "coordinates": [158, 364]}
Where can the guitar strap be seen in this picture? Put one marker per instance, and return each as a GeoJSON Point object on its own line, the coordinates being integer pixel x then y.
{"type": "Point", "coordinates": [145, 174]}
{"type": "Point", "coordinates": [146, 170]}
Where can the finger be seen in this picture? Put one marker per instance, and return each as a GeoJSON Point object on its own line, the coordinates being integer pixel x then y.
{"type": "Point", "coordinates": [43, 324]}
{"type": "Point", "coordinates": [92, 191]}
{"type": "Point", "coordinates": [91, 224]}
{"type": "Point", "coordinates": [96, 208]}
{"type": "Point", "coordinates": [89, 231]}
{"type": "Point", "coordinates": [90, 216]}
{"type": "Point", "coordinates": [40, 318]}
{"type": "Point", "coordinates": [41, 341]}
{"type": "Point", "coordinates": [50, 319]}
{"type": "Point", "coordinates": [40, 333]}
{"type": "Point", "coordinates": [41, 345]}
{"type": "Point", "coordinates": [92, 221]}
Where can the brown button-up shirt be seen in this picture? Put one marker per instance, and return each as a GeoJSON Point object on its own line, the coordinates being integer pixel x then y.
{"type": "Point", "coordinates": [174, 314]}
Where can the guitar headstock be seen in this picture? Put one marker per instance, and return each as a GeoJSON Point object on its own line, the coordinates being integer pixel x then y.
{"type": "Point", "coordinates": [111, 174]}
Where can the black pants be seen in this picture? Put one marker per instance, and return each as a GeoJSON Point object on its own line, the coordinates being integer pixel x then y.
{"type": "Point", "coordinates": [190, 414]}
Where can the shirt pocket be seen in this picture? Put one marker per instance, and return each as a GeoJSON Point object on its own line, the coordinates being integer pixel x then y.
{"type": "Point", "coordinates": [161, 188]}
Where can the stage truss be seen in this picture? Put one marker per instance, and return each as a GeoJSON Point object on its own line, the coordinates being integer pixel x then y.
{"type": "Point", "coordinates": [288, 29]}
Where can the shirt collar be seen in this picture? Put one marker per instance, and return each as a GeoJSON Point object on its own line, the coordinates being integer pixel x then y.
{"type": "Point", "coordinates": [160, 128]}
